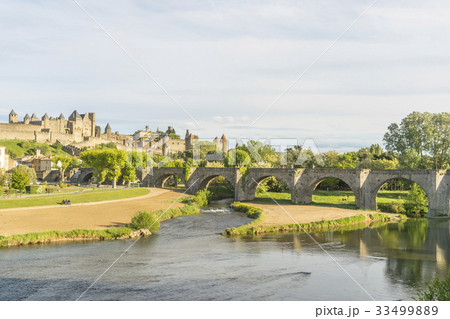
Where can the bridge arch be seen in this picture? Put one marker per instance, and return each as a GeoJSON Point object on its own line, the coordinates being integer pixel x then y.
{"type": "Point", "coordinates": [204, 184]}
{"type": "Point", "coordinates": [424, 178]}
{"type": "Point", "coordinates": [82, 176]}
{"type": "Point", "coordinates": [161, 181]}
{"type": "Point", "coordinates": [160, 175]}
{"type": "Point", "coordinates": [257, 175]}
{"type": "Point", "coordinates": [310, 179]}
{"type": "Point", "coordinates": [380, 184]}
{"type": "Point", "coordinates": [200, 178]}
{"type": "Point", "coordinates": [86, 178]}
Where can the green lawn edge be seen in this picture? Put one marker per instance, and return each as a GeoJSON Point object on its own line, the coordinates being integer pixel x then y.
{"type": "Point", "coordinates": [75, 198]}
{"type": "Point", "coordinates": [348, 223]}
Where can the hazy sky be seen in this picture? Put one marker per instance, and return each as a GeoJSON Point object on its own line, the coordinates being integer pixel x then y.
{"type": "Point", "coordinates": [225, 62]}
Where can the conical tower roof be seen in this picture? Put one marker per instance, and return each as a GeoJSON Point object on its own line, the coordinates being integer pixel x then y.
{"type": "Point", "coordinates": [61, 116]}
{"type": "Point", "coordinates": [223, 137]}
{"type": "Point", "coordinates": [45, 117]}
{"type": "Point", "coordinates": [75, 115]}
{"type": "Point", "coordinates": [12, 113]}
{"type": "Point", "coordinates": [33, 116]}
{"type": "Point", "coordinates": [108, 127]}
{"type": "Point", "coordinates": [27, 117]}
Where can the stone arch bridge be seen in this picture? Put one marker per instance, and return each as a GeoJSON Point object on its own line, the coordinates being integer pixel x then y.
{"type": "Point", "coordinates": [302, 182]}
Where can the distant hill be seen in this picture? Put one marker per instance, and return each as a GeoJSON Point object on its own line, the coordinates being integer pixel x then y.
{"type": "Point", "coordinates": [18, 148]}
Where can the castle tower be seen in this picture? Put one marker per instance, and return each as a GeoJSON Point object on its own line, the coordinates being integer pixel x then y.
{"type": "Point", "coordinates": [188, 141]}
{"type": "Point", "coordinates": [75, 124]}
{"type": "Point", "coordinates": [217, 144]}
{"type": "Point", "coordinates": [170, 130]}
{"type": "Point", "coordinates": [224, 142]}
{"type": "Point", "coordinates": [12, 117]}
{"type": "Point", "coordinates": [34, 117]}
{"type": "Point", "coordinates": [165, 147]}
{"type": "Point", "coordinates": [108, 130]}
{"type": "Point", "coordinates": [61, 123]}
{"type": "Point", "coordinates": [92, 118]}
{"type": "Point", "coordinates": [26, 119]}
{"type": "Point", "coordinates": [45, 120]}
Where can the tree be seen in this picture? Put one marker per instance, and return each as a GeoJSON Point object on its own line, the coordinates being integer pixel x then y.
{"type": "Point", "coordinates": [115, 161]}
{"type": "Point", "coordinates": [417, 201]}
{"type": "Point", "coordinates": [19, 180]}
{"type": "Point", "coordinates": [237, 157]}
{"type": "Point", "coordinates": [96, 159]}
{"type": "Point", "coordinates": [22, 176]}
{"type": "Point", "coordinates": [129, 173]}
{"type": "Point", "coordinates": [426, 134]}
{"type": "Point", "coordinates": [409, 159]}
{"type": "Point", "coordinates": [331, 159]}
{"type": "Point", "coordinates": [3, 180]}
{"type": "Point", "coordinates": [261, 153]}
{"type": "Point", "coordinates": [62, 163]}
{"type": "Point", "coordinates": [438, 143]}
{"type": "Point", "coordinates": [28, 170]}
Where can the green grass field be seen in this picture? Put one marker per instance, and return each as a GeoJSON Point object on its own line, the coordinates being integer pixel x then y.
{"type": "Point", "coordinates": [334, 198]}
{"type": "Point", "coordinates": [13, 147]}
{"type": "Point", "coordinates": [76, 198]}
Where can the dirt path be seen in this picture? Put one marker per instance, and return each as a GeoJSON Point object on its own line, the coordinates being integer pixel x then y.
{"type": "Point", "coordinates": [98, 215]}
{"type": "Point", "coordinates": [302, 214]}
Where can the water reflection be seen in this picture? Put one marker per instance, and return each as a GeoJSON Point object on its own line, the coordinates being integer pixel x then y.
{"type": "Point", "coordinates": [415, 250]}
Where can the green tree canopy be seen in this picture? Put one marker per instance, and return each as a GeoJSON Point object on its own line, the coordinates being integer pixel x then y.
{"type": "Point", "coordinates": [22, 176]}
{"type": "Point", "coordinates": [62, 163]}
{"type": "Point", "coordinates": [426, 134]}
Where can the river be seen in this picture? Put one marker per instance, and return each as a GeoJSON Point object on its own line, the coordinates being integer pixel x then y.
{"type": "Point", "coordinates": [188, 259]}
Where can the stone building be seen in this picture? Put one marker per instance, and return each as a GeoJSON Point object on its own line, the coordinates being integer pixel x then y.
{"type": "Point", "coordinates": [79, 129]}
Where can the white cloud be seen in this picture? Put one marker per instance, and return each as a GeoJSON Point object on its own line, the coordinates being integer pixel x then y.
{"type": "Point", "coordinates": [226, 61]}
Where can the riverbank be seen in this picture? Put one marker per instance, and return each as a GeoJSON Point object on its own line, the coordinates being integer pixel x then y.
{"type": "Point", "coordinates": [93, 216]}
{"type": "Point", "coordinates": [189, 206]}
{"type": "Point", "coordinates": [284, 218]}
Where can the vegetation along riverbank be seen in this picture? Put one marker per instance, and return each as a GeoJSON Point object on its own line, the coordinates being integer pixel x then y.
{"type": "Point", "coordinates": [258, 214]}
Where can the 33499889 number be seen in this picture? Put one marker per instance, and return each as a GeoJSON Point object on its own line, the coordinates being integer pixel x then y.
{"type": "Point", "coordinates": [407, 310]}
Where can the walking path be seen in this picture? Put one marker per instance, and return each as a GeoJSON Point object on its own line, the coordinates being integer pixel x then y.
{"type": "Point", "coordinates": [97, 215]}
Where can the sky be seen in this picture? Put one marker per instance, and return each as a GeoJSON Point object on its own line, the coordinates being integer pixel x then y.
{"type": "Point", "coordinates": [337, 72]}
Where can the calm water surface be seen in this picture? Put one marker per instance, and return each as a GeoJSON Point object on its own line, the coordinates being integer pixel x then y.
{"type": "Point", "coordinates": [189, 260]}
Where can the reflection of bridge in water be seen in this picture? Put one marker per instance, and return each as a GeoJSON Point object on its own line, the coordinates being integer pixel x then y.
{"type": "Point", "coordinates": [365, 184]}
{"type": "Point", "coordinates": [415, 250]}
{"type": "Point", "coordinates": [412, 252]}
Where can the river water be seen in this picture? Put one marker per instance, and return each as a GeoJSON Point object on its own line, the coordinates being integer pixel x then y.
{"type": "Point", "coordinates": [188, 259]}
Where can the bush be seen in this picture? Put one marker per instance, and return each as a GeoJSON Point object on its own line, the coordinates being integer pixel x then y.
{"type": "Point", "coordinates": [35, 189]}
{"type": "Point", "coordinates": [272, 184]}
{"type": "Point", "coordinates": [395, 208]}
{"type": "Point", "coordinates": [144, 220]}
{"type": "Point", "coordinates": [417, 201]}
{"type": "Point", "coordinates": [437, 291]}
{"type": "Point", "coordinates": [19, 180]}
{"type": "Point", "coordinates": [201, 198]}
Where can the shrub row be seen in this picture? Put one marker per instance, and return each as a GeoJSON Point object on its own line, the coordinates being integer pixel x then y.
{"type": "Point", "coordinates": [52, 236]}
{"type": "Point", "coordinates": [408, 209]}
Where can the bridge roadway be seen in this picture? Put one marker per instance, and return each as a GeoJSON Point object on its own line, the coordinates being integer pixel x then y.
{"type": "Point", "coordinates": [302, 182]}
